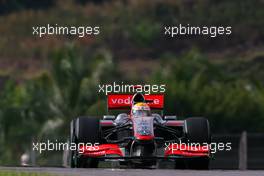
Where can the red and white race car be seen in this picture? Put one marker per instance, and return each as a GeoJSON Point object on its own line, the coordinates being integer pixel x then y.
{"type": "Point", "coordinates": [140, 138]}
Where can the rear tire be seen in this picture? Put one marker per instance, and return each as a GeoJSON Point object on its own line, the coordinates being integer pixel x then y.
{"type": "Point", "coordinates": [86, 130]}
{"type": "Point", "coordinates": [197, 131]}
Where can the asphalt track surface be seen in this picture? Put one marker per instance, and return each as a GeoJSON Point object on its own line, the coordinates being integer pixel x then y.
{"type": "Point", "coordinates": [132, 172]}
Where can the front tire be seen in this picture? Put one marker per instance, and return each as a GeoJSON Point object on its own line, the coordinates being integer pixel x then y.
{"type": "Point", "coordinates": [197, 131]}
{"type": "Point", "coordinates": [86, 130]}
{"type": "Point", "coordinates": [198, 163]}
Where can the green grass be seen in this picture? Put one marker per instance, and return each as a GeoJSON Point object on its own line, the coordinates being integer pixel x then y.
{"type": "Point", "coordinates": [17, 173]}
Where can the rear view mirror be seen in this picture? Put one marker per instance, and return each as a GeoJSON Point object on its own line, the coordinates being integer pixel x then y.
{"type": "Point", "coordinates": [109, 117]}
{"type": "Point", "coordinates": [170, 117]}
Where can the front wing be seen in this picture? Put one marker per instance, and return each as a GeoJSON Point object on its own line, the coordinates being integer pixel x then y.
{"type": "Point", "coordinates": [114, 151]}
{"type": "Point", "coordinates": [172, 151]}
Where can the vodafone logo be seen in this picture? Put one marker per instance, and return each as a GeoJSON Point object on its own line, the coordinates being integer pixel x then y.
{"type": "Point", "coordinates": [116, 101]}
{"type": "Point", "coordinates": [126, 101]}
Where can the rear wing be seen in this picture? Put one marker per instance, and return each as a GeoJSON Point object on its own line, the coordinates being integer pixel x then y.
{"type": "Point", "coordinates": [124, 101]}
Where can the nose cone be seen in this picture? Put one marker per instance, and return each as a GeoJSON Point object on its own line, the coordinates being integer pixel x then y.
{"type": "Point", "coordinates": [143, 128]}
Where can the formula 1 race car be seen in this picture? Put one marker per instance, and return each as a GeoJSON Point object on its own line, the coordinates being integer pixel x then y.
{"type": "Point", "coordinates": [140, 139]}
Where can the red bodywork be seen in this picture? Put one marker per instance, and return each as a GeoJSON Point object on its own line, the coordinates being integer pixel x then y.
{"type": "Point", "coordinates": [170, 151]}
{"type": "Point", "coordinates": [184, 150]}
{"type": "Point", "coordinates": [101, 150]}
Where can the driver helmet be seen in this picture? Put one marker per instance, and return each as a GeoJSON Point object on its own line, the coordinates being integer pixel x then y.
{"type": "Point", "coordinates": [141, 109]}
